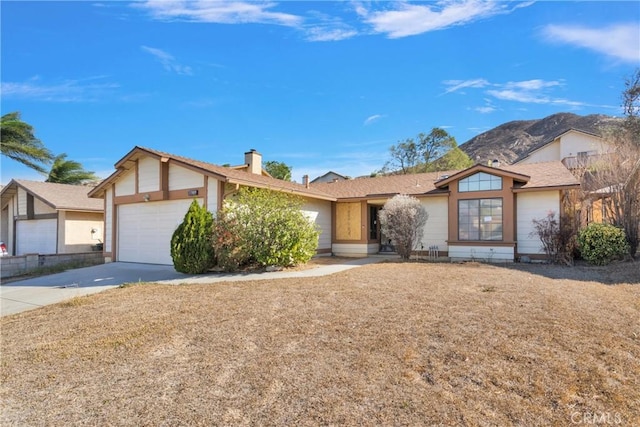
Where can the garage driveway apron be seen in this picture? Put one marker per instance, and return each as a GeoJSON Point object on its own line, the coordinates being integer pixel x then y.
{"type": "Point", "coordinates": [28, 294]}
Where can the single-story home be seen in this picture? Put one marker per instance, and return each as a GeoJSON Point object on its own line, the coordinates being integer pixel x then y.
{"type": "Point", "coordinates": [47, 218]}
{"type": "Point", "coordinates": [148, 195]}
{"type": "Point", "coordinates": [481, 212]}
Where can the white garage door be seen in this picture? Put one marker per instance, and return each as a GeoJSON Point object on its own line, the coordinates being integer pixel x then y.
{"type": "Point", "coordinates": [145, 230]}
{"type": "Point", "coordinates": [36, 236]}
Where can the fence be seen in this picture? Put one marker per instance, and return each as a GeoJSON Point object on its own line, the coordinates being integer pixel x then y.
{"type": "Point", "coordinates": [11, 266]}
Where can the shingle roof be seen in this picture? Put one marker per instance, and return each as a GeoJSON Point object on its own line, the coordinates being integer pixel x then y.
{"type": "Point", "coordinates": [58, 196]}
{"type": "Point", "coordinates": [545, 174]}
{"type": "Point", "coordinates": [414, 184]}
{"type": "Point", "coordinates": [230, 175]}
{"type": "Point", "coordinates": [540, 175]}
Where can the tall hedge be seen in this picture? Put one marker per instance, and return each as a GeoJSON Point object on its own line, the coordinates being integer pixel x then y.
{"type": "Point", "coordinates": [191, 246]}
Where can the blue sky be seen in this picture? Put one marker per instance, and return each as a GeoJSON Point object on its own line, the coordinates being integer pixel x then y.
{"type": "Point", "coordinates": [327, 85]}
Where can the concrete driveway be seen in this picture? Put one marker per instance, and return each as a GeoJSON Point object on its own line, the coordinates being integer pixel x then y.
{"type": "Point", "coordinates": [36, 292]}
{"type": "Point", "coordinates": [28, 294]}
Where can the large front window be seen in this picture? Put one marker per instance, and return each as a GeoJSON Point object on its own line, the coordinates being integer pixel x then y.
{"type": "Point", "coordinates": [480, 182]}
{"type": "Point", "coordinates": [480, 219]}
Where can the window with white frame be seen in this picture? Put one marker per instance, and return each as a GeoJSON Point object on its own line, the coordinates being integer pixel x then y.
{"type": "Point", "coordinates": [480, 219]}
{"type": "Point", "coordinates": [480, 181]}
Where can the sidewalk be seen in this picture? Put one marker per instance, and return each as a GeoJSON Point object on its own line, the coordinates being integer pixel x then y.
{"type": "Point", "coordinates": [28, 294]}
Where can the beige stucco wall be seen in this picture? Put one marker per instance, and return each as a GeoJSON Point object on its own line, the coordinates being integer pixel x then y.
{"type": "Point", "coordinates": [437, 227]}
{"type": "Point", "coordinates": [148, 174]}
{"type": "Point", "coordinates": [77, 231]}
{"type": "Point", "coordinates": [126, 185]}
{"type": "Point", "coordinates": [182, 178]}
{"type": "Point", "coordinates": [22, 202]}
{"type": "Point", "coordinates": [319, 211]}
{"type": "Point", "coordinates": [547, 153]}
{"type": "Point", "coordinates": [108, 220]}
{"type": "Point", "coordinates": [212, 195]}
{"type": "Point", "coordinates": [573, 143]}
{"type": "Point", "coordinates": [40, 207]}
{"type": "Point", "coordinates": [530, 206]}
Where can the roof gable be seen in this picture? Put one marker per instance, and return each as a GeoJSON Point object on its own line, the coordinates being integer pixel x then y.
{"type": "Point", "coordinates": [226, 174]}
{"type": "Point", "coordinates": [57, 196]}
{"type": "Point", "coordinates": [482, 168]}
{"type": "Point", "coordinates": [550, 141]}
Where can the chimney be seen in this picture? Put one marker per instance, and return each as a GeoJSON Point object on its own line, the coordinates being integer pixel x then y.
{"type": "Point", "coordinates": [253, 160]}
{"type": "Point", "coordinates": [305, 180]}
{"type": "Point", "coordinates": [495, 163]}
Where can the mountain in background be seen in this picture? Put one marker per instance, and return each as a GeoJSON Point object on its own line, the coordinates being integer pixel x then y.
{"type": "Point", "coordinates": [512, 140]}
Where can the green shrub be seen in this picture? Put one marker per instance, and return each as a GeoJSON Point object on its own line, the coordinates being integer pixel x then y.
{"type": "Point", "coordinates": [265, 228]}
{"type": "Point", "coordinates": [191, 247]}
{"type": "Point", "coordinates": [600, 244]}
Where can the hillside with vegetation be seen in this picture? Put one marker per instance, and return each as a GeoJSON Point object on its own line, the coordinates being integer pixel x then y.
{"type": "Point", "coordinates": [511, 140]}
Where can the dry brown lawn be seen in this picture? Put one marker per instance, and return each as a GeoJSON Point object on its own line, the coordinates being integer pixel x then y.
{"type": "Point", "coordinates": [386, 344]}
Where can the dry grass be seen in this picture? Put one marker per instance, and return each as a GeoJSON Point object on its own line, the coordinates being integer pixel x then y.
{"type": "Point", "coordinates": [385, 344]}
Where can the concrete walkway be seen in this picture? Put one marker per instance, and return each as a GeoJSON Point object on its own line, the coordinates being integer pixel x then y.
{"type": "Point", "coordinates": [28, 294]}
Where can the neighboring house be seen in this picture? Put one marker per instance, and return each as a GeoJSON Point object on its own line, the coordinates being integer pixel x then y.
{"type": "Point", "coordinates": [481, 212]}
{"type": "Point", "coordinates": [46, 218]}
{"type": "Point", "coordinates": [330, 176]}
{"type": "Point", "coordinates": [575, 148]}
{"type": "Point", "coordinates": [148, 195]}
{"type": "Point", "coordinates": [578, 150]}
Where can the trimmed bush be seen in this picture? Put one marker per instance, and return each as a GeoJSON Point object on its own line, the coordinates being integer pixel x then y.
{"type": "Point", "coordinates": [191, 246]}
{"type": "Point", "coordinates": [600, 244]}
{"type": "Point", "coordinates": [402, 219]}
{"type": "Point", "coordinates": [264, 228]}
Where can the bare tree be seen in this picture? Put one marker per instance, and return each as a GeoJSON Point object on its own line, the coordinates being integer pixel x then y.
{"type": "Point", "coordinates": [402, 219]}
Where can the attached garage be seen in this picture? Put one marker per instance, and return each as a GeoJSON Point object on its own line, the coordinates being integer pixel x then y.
{"type": "Point", "coordinates": [37, 236]}
{"type": "Point", "coordinates": [145, 230]}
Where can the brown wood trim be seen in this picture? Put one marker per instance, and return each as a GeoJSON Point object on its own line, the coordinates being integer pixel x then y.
{"type": "Point", "coordinates": [220, 195]}
{"type": "Point", "coordinates": [364, 225]}
{"type": "Point", "coordinates": [30, 206]}
{"type": "Point", "coordinates": [114, 223]}
{"type": "Point", "coordinates": [550, 188]}
{"type": "Point", "coordinates": [164, 179]}
{"type": "Point", "coordinates": [158, 196]}
{"type": "Point", "coordinates": [136, 176]}
{"type": "Point", "coordinates": [508, 208]}
{"type": "Point", "coordinates": [205, 195]}
{"type": "Point", "coordinates": [38, 216]}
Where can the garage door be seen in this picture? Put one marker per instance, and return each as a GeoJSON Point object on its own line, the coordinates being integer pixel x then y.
{"type": "Point", "coordinates": [36, 236]}
{"type": "Point", "coordinates": [145, 230]}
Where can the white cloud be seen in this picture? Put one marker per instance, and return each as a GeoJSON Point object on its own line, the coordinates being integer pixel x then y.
{"type": "Point", "coordinates": [408, 19]}
{"type": "Point", "coordinates": [534, 91]}
{"type": "Point", "coordinates": [621, 41]}
{"type": "Point", "coordinates": [325, 34]}
{"type": "Point", "coordinates": [372, 119]}
{"type": "Point", "coordinates": [220, 12]}
{"type": "Point", "coordinates": [485, 110]}
{"type": "Point", "coordinates": [83, 90]}
{"type": "Point", "coordinates": [535, 84]}
{"type": "Point", "coordinates": [168, 61]}
{"type": "Point", "coordinates": [456, 85]}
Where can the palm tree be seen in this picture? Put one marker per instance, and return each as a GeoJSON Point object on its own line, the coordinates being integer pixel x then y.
{"type": "Point", "coordinates": [65, 171]}
{"type": "Point", "coordinates": [18, 143]}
